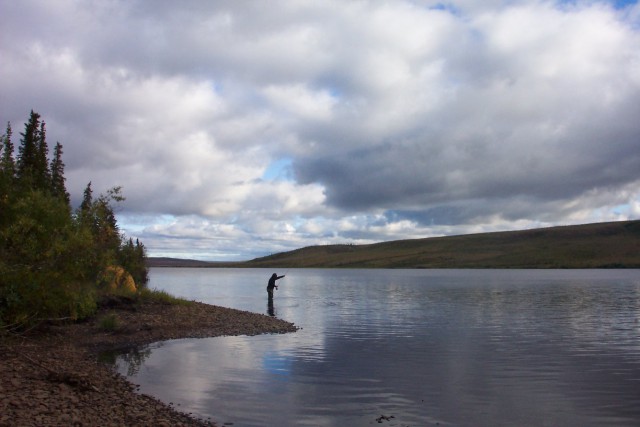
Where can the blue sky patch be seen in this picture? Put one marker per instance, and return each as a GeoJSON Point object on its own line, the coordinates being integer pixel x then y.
{"type": "Point", "coordinates": [279, 170]}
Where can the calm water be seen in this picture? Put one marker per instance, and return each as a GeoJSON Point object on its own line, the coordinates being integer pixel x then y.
{"type": "Point", "coordinates": [428, 347]}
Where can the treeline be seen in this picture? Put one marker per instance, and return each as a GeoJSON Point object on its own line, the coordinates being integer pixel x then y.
{"type": "Point", "coordinates": [54, 259]}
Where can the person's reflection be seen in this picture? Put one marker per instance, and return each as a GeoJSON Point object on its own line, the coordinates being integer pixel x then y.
{"type": "Point", "coordinates": [270, 309]}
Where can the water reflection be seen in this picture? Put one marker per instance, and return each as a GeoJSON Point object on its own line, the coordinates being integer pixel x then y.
{"type": "Point", "coordinates": [448, 347]}
{"type": "Point", "coordinates": [134, 358]}
{"type": "Point", "coordinates": [127, 361]}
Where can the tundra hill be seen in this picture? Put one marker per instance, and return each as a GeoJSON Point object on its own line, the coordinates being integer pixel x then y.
{"type": "Point", "coordinates": [177, 262]}
{"type": "Point", "coordinates": [600, 245]}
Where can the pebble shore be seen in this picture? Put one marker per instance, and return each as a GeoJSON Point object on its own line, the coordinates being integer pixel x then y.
{"type": "Point", "coordinates": [52, 377]}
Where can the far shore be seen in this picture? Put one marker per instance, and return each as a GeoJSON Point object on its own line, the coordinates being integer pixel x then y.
{"type": "Point", "coordinates": [52, 376]}
{"type": "Point", "coordinates": [599, 245]}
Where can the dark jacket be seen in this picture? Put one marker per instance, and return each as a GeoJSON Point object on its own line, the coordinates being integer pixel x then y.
{"type": "Point", "coordinates": [272, 281]}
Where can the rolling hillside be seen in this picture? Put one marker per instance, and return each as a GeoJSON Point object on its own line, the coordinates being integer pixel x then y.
{"type": "Point", "coordinates": [601, 245]}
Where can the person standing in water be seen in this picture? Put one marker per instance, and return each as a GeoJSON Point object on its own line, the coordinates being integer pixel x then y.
{"type": "Point", "coordinates": [272, 284]}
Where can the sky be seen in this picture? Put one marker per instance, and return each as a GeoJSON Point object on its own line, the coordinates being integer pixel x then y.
{"type": "Point", "coordinates": [238, 129]}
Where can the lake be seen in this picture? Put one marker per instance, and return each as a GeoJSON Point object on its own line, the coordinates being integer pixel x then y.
{"type": "Point", "coordinates": [419, 347]}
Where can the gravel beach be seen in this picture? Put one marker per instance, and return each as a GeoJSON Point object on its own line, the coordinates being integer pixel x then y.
{"type": "Point", "coordinates": [51, 376]}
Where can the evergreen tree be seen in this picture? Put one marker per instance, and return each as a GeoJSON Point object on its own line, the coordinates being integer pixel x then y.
{"type": "Point", "coordinates": [98, 219]}
{"type": "Point", "coordinates": [87, 199]}
{"type": "Point", "coordinates": [7, 176]}
{"type": "Point", "coordinates": [42, 172]}
{"type": "Point", "coordinates": [133, 259]}
{"type": "Point", "coordinates": [7, 163]}
{"type": "Point", "coordinates": [27, 152]}
{"type": "Point", "coordinates": [106, 230]}
{"type": "Point", "coordinates": [140, 258]}
{"type": "Point", "coordinates": [57, 175]}
{"type": "Point", "coordinates": [83, 214]}
{"type": "Point", "coordinates": [32, 169]}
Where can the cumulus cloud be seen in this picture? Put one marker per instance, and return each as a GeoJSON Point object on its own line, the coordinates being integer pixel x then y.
{"type": "Point", "coordinates": [392, 119]}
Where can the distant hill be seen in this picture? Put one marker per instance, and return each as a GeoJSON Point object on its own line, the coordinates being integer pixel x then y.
{"type": "Point", "coordinates": [601, 245]}
{"type": "Point", "coordinates": [178, 262]}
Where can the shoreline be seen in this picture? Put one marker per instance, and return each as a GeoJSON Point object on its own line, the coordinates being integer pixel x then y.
{"type": "Point", "coordinates": [52, 376]}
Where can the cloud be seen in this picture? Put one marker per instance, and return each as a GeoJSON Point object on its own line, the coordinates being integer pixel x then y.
{"type": "Point", "coordinates": [392, 119]}
{"type": "Point", "coordinates": [548, 117]}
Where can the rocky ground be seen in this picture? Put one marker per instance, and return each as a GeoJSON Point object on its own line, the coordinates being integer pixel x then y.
{"type": "Point", "coordinates": [51, 376]}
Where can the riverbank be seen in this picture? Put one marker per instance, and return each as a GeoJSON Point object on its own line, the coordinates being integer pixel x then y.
{"type": "Point", "coordinates": [52, 376]}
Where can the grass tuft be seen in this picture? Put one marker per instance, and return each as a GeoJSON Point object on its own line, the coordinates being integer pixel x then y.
{"type": "Point", "coordinates": [109, 323]}
{"type": "Point", "coordinates": [163, 297]}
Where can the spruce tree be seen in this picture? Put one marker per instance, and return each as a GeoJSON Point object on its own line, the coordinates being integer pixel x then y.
{"type": "Point", "coordinates": [57, 175]}
{"type": "Point", "coordinates": [87, 200]}
{"type": "Point", "coordinates": [99, 219]}
{"type": "Point", "coordinates": [7, 176]}
{"type": "Point", "coordinates": [133, 259]}
{"type": "Point", "coordinates": [142, 273]}
{"type": "Point", "coordinates": [32, 169]}
{"type": "Point", "coordinates": [42, 172]}
{"type": "Point", "coordinates": [7, 163]}
{"type": "Point", "coordinates": [28, 149]}
{"type": "Point", "coordinates": [106, 230]}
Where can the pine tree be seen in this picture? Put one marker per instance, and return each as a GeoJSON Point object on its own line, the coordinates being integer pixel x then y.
{"type": "Point", "coordinates": [99, 219]}
{"type": "Point", "coordinates": [141, 257]}
{"type": "Point", "coordinates": [87, 199]}
{"type": "Point", "coordinates": [32, 168]}
{"type": "Point", "coordinates": [7, 163]}
{"type": "Point", "coordinates": [57, 175]}
{"type": "Point", "coordinates": [7, 176]}
{"type": "Point", "coordinates": [133, 259]}
{"type": "Point", "coordinates": [42, 172]}
{"type": "Point", "coordinates": [27, 152]}
{"type": "Point", "coordinates": [106, 231]}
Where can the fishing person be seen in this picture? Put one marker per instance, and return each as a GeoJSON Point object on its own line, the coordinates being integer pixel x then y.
{"type": "Point", "coordinates": [272, 284]}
